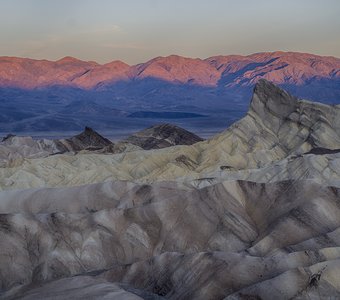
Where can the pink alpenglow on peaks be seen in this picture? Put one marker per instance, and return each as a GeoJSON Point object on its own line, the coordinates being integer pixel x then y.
{"type": "Point", "coordinates": [179, 69]}
{"type": "Point", "coordinates": [231, 70]}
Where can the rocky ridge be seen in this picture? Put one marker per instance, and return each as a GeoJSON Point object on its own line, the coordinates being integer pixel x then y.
{"type": "Point", "coordinates": [14, 149]}
{"type": "Point", "coordinates": [162, 136]}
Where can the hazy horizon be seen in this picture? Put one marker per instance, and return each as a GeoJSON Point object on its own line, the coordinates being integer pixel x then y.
{"type": "Point", "coordinates": [136, 31]}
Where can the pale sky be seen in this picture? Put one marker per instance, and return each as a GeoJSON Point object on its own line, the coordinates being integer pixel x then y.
{"type": "Point", "coordinates": [137, 30]}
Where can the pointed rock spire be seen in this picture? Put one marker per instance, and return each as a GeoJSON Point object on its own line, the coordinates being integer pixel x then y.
{"type": "Point", "coordinates": [269, 98]}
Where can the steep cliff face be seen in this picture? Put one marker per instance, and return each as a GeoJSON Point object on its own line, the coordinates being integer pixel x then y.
{"type": "Point", "coordinates": [276, 125]}
{"type": "Point", "coordinates": [293, 121]}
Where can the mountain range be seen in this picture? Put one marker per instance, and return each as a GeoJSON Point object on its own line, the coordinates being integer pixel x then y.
{"type": "Point", "coordinates": [251, 213]}
{"type": "Point", "coordinates": [202, 95]}
{"type": "Point", "coordinates": [232, 70]}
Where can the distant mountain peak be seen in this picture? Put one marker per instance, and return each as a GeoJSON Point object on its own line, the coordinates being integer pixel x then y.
{"type": "Point", "coordinates": [117, 63]}
{"type": "Point", "coordinates": [68, 59]}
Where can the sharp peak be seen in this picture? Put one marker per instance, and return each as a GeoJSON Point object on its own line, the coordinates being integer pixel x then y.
{"type": "Point", "coordinates": [88, 129]}
{"type": "Point", "coordinates": [264, 84]}
{"type": "Point", "coordinates": [268, 88]}
{"type": "Point", "coordinates": [269, 97]}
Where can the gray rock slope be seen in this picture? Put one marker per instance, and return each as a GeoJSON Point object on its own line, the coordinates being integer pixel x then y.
{"type": "Point", "coordinates": [253, 213]}
{"type": "Point", "coordinates": [87, 140]}
{"type": "Point", "coordinates": [14, 149]}
{"type": "Point", "coordinates": [174, 241]}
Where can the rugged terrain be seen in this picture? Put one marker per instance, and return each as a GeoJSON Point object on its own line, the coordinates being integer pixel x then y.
{"type": "Point", "coordinates": [14, 149]}
{"type": "Point", "coordinates": [252, 213]}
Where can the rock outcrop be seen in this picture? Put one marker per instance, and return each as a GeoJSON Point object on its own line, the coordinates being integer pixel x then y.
{"type": "Point", "coordinates": [162, 136]}
{"type": "Point", "coordinates": [87, 140]}
{"type": "Point", "coordinates": [14, 149]}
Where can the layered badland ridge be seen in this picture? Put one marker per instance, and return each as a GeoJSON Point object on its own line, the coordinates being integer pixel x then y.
{"type": "Point", "coordinates": [253, 213]}
{"type": "Point", "coordinates": [14, 149]}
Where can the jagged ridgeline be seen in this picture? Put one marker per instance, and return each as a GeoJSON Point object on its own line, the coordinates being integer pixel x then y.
{"type": "Point", "coordinates": [252, 213]}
